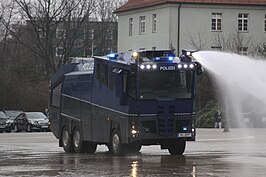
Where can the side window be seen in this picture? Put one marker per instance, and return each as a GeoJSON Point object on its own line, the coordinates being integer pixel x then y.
{"type": "Point", "coordinates": [56, 95]}
{"type": "Point", "coordinates": [131, 88]}
{"type": "Point", "coordinates": [111, 74]}
{"type": "Point", "coordinates": [102, 73]}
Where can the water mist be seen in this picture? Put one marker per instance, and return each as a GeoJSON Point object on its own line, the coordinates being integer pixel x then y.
{"type": "Point", "coordinates": [242, 82]}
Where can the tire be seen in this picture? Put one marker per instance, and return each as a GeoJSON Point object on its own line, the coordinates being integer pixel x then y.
{"type": "Point", "coordinates": [67, 141]}
{"type": "Point", "coordinates": [29, 128]}
{"type": "Point", "coordinates": [16, 128]}
{"type": "Point", "coordinates": [177, 147]}
{"type": "Point", "coordinates": [81, 146]}
{"type": "Point", "coordinates": [116, 147]}
{"type": "Point", "coordinates": [8, 131]}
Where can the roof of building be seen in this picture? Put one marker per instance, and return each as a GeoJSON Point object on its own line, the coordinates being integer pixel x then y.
{"type": "Point", "coordinates": [136, 4]}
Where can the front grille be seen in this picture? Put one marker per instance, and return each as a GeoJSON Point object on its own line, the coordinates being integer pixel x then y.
{"type": "Point", "coordinates": [165, 113]}
{"type": "Point", "coordinates": [166, 126]}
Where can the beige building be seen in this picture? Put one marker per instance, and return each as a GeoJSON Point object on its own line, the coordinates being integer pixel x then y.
{"type": "Point", "coordinates": [232, 25]}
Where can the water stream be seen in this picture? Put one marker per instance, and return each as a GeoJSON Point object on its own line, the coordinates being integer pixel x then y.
{"type": "Point", "coordinates": [242, 83]}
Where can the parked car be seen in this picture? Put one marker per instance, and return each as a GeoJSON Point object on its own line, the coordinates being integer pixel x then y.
{"type": "Point", "coordinates": [3, 123]}
{"type": "Point", "coordinates": [30, 121]}
{"type": "Point", "coordinates": [11, 115]}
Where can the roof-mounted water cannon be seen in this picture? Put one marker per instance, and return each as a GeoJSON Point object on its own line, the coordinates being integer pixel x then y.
{"type": "Point", "coordinates": [187, 55]}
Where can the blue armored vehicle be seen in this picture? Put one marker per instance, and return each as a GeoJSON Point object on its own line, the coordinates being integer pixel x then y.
{"type": "Point", "coordinates": [125, 101]}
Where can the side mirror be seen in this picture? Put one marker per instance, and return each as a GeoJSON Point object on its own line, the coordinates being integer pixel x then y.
{"type": "Point", "coordinates": [199, 69]}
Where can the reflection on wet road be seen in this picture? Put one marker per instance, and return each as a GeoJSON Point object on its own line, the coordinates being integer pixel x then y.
{"type": "Point", "coordinates": [215, 153]}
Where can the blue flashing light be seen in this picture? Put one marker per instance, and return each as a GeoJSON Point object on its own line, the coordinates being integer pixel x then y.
{"type": "Point", "coordinates": [157, 58]}
{"type": "Point", "coordinates": [112, 56]}
{"type": "Point", "coordinates": [170, 58]}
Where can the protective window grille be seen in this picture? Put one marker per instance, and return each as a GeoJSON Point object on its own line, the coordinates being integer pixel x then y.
{"type": "Point", "coordinates": [154, 23]}
{"type": "Point", "coordinates": [216, 22]}
{"type": "Point", "coordinates": [243, 22]}
{"type": "Point", "coordinates": [265, 23]}
{"type": "Point", "coordinates": [130, 26]}
{"type": "Point", "coordinates": [142, 23]}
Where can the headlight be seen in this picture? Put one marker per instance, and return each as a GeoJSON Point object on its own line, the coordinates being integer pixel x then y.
{"type": "Point", "coordinates": [191, 66]}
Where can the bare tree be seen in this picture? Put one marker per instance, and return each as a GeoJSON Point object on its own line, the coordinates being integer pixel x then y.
{"type": "Point", "coordinates": [232, 42]}
{"type": "Point", "coordinates": [197, 40]}
{"type": "Point", "coordinates": [45, 19]}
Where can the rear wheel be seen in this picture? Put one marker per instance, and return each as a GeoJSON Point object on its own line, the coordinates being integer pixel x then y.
{"type": "Point", "coordinates": [67, 141]}
{"type": "Point", "coordinates": [80, 145]}
{"type": "Point", "coordinates": [28, 128]}
{"type": "Point", "coordinates": [116, 146]}
{"type": "Point", "coordinates": [177, 147]}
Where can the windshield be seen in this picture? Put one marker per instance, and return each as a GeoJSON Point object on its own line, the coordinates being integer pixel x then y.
{"type": "Point", "coordinates": [12, 114]}
{"type": "Point", "coordinates": [166, 84]}
{"type": "Point", "coordinates": [2, 115]}
{"type": "Point", "coordinates": [35, 115]}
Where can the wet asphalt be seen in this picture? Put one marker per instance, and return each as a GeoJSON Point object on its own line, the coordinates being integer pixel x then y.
{"type": "Point", "coordinates": [240, 152]}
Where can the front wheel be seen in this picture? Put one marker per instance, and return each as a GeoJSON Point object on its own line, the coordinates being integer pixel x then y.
{"type": "Point", "coordinates": [67, 141]}
{"type": "Point", "coordinates": [28, 128]}
{"type": "Point", "coordinates": [116, 146]}
{"type": "Point", "coordinates": [16, 128]}
{"type": "Point", "coordinates": [177, 147]}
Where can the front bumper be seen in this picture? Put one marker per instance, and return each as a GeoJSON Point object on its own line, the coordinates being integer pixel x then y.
{"type": "Point", "coordinates": [153, 130]}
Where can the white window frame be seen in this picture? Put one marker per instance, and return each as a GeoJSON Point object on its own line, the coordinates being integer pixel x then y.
{"type": "Point", "coordinates": [57, 50]}
{"type": "Point", "coordinates": [216, 23]}
{"type": "Point", "coordinates": [243, 50]}
{"type": "Point", "coordinates": [130, 26]}
{"type": "Point", "coordinates": [60, 33]}
{"type": "Point", "coordinates": [154, 23]}
{"type": "Point", "coordinates": [242, 20]}
{"type": "Point", "coordinates": [142, 25]}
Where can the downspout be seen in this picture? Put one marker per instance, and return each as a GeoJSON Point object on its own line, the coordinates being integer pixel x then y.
{"type": "Point", "coordinates": [178, 30]}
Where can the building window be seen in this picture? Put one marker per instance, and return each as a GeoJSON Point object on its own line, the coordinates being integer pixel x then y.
{"type": "Point", "coordinates": [265, 23]}
{"type": "Point", "coordinates": [130, 26]}
{"type": "Point", "coordinates": [142, 23]}
{"type": "Point", "coordinates": [154, 23]}
{"type": "Point", "coordinates": [60, 33]}
{"type": "Point", "coordinates": [41, 33]}
{"type": "Point", "coordinates": [243, 50]}
{"type": "Point", "coordinates": [216, 48]}
{"type": "Point", "coordinates": [243, 22]}
{"type": "Point", "coordinates": [59, 51]}
{"type": "Point", "coordinates": [216, 22]}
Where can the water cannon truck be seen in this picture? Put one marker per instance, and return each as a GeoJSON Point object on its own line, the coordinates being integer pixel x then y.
{"type": "Point", "coordinates": [125, 101]}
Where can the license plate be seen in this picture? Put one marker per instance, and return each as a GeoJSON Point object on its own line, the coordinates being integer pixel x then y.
{"type": "Point", "coordinates": [44, 126]}
{"type": "Point", "coordinates": [182, 135]}
{"type": "Point", "coordinates": [2, 126]}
